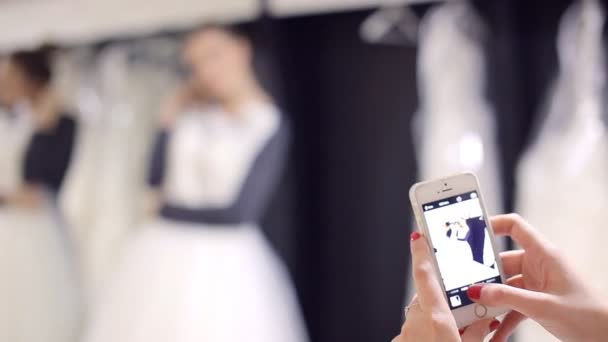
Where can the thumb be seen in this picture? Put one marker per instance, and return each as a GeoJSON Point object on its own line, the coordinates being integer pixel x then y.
{"type": "Point", "coordinates": [529, 303]}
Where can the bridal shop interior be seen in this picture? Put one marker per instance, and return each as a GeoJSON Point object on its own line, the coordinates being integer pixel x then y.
{"type": "Point", "coordinates": [238, 170]}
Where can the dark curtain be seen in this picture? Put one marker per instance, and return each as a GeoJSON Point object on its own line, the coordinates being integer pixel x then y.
{"type": "Point", "coordinates": [353, 162]}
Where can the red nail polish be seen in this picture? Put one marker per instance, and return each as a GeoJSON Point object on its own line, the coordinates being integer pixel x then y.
{"type": "Point", "coordinates": [461, 331]}
{"type": "Point", "coordinates": [494, 325]}
{"type": "Point", "coordinates": [474, 292]}
{"type": "Point", "coordinates": [415, 236]}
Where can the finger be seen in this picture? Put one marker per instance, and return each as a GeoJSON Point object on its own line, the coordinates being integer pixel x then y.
{"type": "Point", "coordinates": [529, 303]}
{"type": "Point", "coordinates": [516, 281]}
{"type": "Point", "coordinates": [479, 330]}
{"type": "Point", "coordinates": [416, 318]}
{"type": "Point", "coordinates": [517, 228]}
{"type": "Point", "coordinates": [430, 295]}
{"type": "Point", "coordinates": [413, 310]}
{"type": "Point", "coordinates": [508, 326]}
{"type": "Point", "coordinates": [512, 262]}
{"type": "Point", "coordinates": [413, 301]}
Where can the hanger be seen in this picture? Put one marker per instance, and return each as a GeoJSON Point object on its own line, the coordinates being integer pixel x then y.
{"type": "Point", "coordinates": [393, 24]}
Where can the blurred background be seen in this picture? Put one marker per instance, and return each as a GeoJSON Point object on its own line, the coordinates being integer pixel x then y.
{"type": "Point", "coordinates": [376, 94]}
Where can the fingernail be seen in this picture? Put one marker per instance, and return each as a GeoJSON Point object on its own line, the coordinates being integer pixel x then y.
{"type": "Point", "coordinates": [415, 236]}
{"type": "Point", "coordinates": [461, 331]}
{"type": "Point", "coordinates": [474, 292]}
{"type": "Point", "coordinates": [494, 325]}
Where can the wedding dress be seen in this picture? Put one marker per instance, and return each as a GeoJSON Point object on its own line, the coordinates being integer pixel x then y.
{"type": "Point", "coordinates": [562, 177]}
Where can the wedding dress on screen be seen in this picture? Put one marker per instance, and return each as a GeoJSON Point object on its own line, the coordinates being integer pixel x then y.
{"type": "Point", "coordinates": [38, 295]}
{"type": "Point", "coordinates": [562, 177]}
{"type": "Point", "coordinates": [203, 271]}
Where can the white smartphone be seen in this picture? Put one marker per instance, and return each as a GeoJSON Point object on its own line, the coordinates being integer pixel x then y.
{"type": "Point", "coordinates": [452, 215]}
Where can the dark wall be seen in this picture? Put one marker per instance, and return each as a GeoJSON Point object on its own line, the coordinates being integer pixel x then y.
{"type": "Point", "coordinates": [350, 104]}
{"type": "Point", "coordinates": [359, 99]}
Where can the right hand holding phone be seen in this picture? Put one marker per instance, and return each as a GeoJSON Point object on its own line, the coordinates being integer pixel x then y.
{"type": "Point", "coordinates": [542, 287]}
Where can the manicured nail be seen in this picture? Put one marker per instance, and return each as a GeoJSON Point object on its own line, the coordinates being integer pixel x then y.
{"type": "Point", "coordinates": [494, 325]}
{"type": "Point", "coordinates": [415, 236]}
{"type": "Point", "coordinates": [461, 331]}
{"type": "Point", "coordinates": [474, 292]}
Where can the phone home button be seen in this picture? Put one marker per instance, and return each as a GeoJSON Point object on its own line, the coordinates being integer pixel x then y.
{"type": "Point", "coordinates": [480, 311]}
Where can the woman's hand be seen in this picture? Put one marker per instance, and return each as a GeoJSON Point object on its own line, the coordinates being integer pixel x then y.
{"type": "Point", "coordinates": [181, 98]}
{"type": "Point", "coordinates": [543, 287]}
{"type": "Point", "coordinates": [429, 318]}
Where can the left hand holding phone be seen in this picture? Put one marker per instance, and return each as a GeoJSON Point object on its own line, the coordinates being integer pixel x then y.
{"type": "Point", "coordinates": [428, 317]}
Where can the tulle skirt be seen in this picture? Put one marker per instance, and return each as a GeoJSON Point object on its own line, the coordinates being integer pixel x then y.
{"type": "Point", "coordinates": [186, 283]}
{"type": "Point", "coordinates": [38, 296]}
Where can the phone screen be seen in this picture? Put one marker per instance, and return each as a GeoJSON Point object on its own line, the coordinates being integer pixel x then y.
{"type": "Point", "coordinates": [462, 245]}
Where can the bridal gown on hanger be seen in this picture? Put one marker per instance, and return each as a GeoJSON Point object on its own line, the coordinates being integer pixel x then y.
{"type": "Point", "coordinates": [121, 162]}
{"type": "Point", "coordinates": [455, 125]}
{"type": "Point", "coordinates": [78, 79]}
{"type": "Point", "coordinates": [203, 270]}
{"type": "Point", "coordinates": [454, 129]}
{"type": "Point", "coordinates": [38, 296]}
{"type": "Point", "coordinates": [116, 97]}
{"type": "Point", "coordinates": [562, 178]}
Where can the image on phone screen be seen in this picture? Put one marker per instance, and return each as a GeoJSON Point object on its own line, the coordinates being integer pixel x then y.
{"type": "Point", "coordinates": [461, 244]}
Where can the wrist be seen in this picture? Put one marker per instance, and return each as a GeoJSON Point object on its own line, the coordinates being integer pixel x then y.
{"type": "Point", "coordinates": [604, 315]}
{"type": "Point", "coordinates": [599, 322]}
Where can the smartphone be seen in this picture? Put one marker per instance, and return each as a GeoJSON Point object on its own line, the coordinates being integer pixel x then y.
{"type": "Point", "coordinates": [452, 215]}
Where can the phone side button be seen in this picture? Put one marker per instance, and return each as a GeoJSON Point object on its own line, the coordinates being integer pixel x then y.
{"type": "Point", "coordinates": [480, 311]}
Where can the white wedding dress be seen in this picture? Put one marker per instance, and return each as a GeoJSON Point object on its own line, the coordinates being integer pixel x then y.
{"type": "Point", "coordinates": [194, 282]}
{"type": "Point", "coordinates": [118, 98]}
{"type": "Point", "coordinates": [38, 297]}
{"type": "Point", "coordinates": [562, 178]}
{"type": "Point", "coordinates": [454, 129]}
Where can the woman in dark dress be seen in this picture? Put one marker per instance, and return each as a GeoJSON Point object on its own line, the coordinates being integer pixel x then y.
{"type": "Point", "coordinates": [37, 291]}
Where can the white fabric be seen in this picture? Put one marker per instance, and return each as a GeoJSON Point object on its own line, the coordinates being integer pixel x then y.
{"type": "Point", "coordinates": [562, 177]}
{"type": "Point", "coordinates": [118, 100]}
{"type": "Point", "coordinates": [454, 129]}
{"type": "Point", "coordinates": [210, 154]}
{"type": "Point", "coordinates": [455, 125]}
{"type": "Point", "coordinates": [38, 295]}
{"type": "Point", "coordinates": [462, 232]}
{"type": "Point", "coordinates": [194, 282]}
